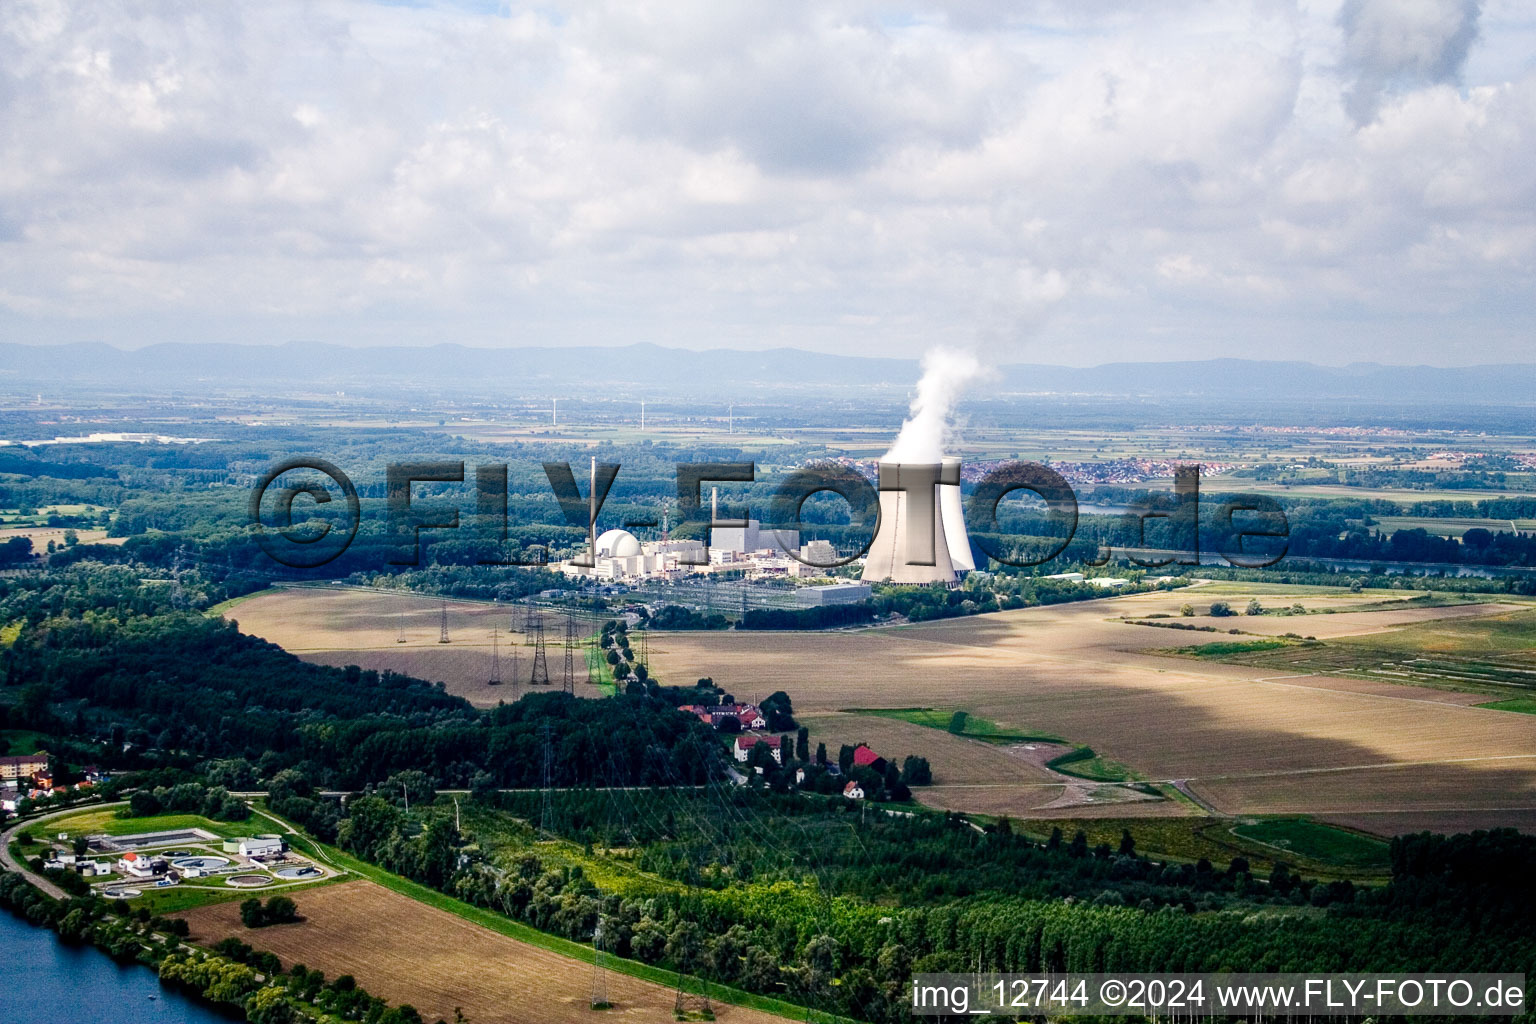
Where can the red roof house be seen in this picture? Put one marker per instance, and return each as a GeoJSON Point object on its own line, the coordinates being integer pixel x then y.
{"type": "Point", "coordinates": [863, 757]}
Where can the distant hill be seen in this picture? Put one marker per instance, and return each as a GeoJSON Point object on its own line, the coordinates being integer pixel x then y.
{"type": "Point", "coordinates": [637, 369]}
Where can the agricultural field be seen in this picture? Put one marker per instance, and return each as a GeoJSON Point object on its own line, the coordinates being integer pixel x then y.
{"type": "Point", "coordinates": [1204, 735]}
{"type": "Point", "coordinates": [1297, 842]}
{"type": "Point", "coordinates": [335, 626]}
{"type": "Point", "coordinates": [41, 535]}
{"type": "Point", "coordinates": [1488, 650]}
{"type": "Point", "coordinates": [1309, 841]}
{"type": "Point", "coordinates": [1447, 527]}
{"type": "Point", "coordinates": [408, 952]}
{"type": "Point", "coordinates": [1235, 738]}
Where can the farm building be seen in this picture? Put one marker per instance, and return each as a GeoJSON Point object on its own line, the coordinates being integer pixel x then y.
{"type": "Point", "coordinates": [853, 791]}
{"type": "Point", "coordinates": [863, 757]}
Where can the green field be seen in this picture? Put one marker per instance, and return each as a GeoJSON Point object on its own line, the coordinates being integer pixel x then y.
{"type": "Point", "coordinates": [1522, 705]}
{"type": "Point", "coordinates": [21, 741]}
{"type": "Point", "coordinates": [1448, 527]}
{"type": "Point", "coordinates": [1083, 763]}
{"type": "Point", "coordinates": [1245, 588]}
{"type": "Point", "coordinates": [1225, 648]}
{"type": "Point", "coordinates": [1191, 838]}
{"type": "Point", "coordinates": [1314, 842]}
{"type": "Point", "coordinates": [107, 822]}
{"type": "Point", "coordinates": [1492, 654]}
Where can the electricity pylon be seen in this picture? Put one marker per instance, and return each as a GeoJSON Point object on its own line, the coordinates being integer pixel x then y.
{"type": "Point", "coordinates": [539, 676]}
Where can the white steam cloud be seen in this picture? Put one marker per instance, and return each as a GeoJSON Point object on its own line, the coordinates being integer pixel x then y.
{"type": "Point", "coordinates": [945, 372]}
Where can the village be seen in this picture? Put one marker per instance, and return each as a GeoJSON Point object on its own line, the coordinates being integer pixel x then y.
{"type": "Point", "coordinates": [29, 777]}
{"type": "Point", "coordinates": [759, 750]}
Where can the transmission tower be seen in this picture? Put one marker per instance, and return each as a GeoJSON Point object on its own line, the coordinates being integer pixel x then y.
{"type": "Point", "coordinates": [442, 625]}
{"type": "Point", "coordinates": [549, 765]}
{"type": "Point", "coordinates": [400, 621]}
{"type": "Point", "coordinates": [495, 679]}
{"type": "Point", "coordinates": [539, 676]}
{"type": "Point", "coordinates": [599, 972]}
{"type": "Point", "coordinates": [514, 645]}
{"type": "Point", "coordinates": [589, 651]}
{"type": "Point", "coordinates": [569, 680]}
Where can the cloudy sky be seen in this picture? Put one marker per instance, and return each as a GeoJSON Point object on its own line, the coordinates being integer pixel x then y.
{"type": "Point", "coordinates": [1067, 183]}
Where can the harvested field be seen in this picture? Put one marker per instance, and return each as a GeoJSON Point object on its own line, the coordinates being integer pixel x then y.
{"type": "Point", "coordinates": [1246, 740]}
{"type": "Point", "coordinates": [408, 952]}
{"type": "Point", "coordinates": [356, 627]}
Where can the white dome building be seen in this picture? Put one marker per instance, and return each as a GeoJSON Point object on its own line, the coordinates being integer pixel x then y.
{"type": "Point", "coordinates": [617, 544]}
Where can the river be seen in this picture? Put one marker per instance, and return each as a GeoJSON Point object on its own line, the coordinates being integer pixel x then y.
{"type": "Point", "coordinates": [43, 981]}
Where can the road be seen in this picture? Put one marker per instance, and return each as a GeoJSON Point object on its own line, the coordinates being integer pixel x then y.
{"type": "Point", "coordinates": [10, 864]}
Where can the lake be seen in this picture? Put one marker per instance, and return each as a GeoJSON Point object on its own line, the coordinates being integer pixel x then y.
{"type": "Point", "coordinates": [43, 981]}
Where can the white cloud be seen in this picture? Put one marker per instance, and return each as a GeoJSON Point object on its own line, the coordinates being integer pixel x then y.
{"type": "Point", "coordinates": [1060, 182]}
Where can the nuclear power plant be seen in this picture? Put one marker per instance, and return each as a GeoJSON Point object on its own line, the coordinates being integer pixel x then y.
{"type": "Point", "coordinates": [921, 536]}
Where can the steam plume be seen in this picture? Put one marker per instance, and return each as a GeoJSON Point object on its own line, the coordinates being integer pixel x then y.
{"type": "Point", "coordinates": [945, 372]}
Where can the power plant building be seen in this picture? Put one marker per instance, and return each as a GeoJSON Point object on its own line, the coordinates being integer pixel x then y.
{"type": "Point", "coordinates": [619, 555]}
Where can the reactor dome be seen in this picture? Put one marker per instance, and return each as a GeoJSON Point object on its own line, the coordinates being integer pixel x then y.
{"type": "Point", "coordinates": [617, 544]}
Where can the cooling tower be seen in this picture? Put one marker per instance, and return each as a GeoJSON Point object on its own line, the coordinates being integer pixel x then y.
{"type": "Point", "coordinates": [911, 543]}
{"type": "Point", "coordinates": [954, 516]}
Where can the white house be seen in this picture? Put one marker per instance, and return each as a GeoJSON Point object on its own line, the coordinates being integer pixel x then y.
{"type": "Point", "coordinates": [853, 791]}
{"type": "Point", "coordinates": [746, 741]}
{"type": "Point", "coordinates": [139, 865]}
{"type": "Point", "coordinates": [260, 846]}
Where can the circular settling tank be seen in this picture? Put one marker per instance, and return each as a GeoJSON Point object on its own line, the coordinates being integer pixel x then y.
{"type": "Point", "coordinates": [250, 881]}
{"type": "Point", "coordinates": [120, 894]}
{"type": "Point", "coordinates": [201, 863]}
{"type": "Point", "coordinates": [304, 871]}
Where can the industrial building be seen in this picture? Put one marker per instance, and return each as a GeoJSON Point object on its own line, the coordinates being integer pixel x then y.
{"type": "Point", "coordinates": [832, 593]}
